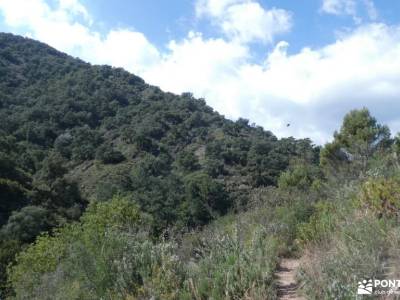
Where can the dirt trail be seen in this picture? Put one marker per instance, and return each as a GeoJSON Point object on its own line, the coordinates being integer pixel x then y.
{"type": "Point", "coordinates": [286, 277]}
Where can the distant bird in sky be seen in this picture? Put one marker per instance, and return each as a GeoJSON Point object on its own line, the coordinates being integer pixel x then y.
{"type": "Point", "coordinates": [288, 124]}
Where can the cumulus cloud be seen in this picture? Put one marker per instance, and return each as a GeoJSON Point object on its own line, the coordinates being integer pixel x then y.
{"type": "Point", "coordinates": [74, 7]}
{"type": "Point", "coordinates": [68, 27]}
{"type": "Point", "coordinates": [316, 87]}
{"type": "Point", "coordinates": [206, 67]}
{"type": "Point", "coordinates": [125, 48]}
{"type": "Point", "coordinates": [245, 20]}
{"type": "Point", "coordinates": [311, 89]}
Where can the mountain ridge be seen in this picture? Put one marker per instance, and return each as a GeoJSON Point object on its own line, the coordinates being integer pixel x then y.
{"type": "Point", "coordinates": [79, 113]}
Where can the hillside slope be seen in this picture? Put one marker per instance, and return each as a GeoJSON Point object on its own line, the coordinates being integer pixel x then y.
{"type": "Point", "coordinates": [86, 132]}
{"type": "Point", "coordinates": [152, 179]}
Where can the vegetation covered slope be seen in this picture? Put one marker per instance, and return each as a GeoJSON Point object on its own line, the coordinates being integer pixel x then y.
{"type": "Point", "coordinates": [96, 130]}
{"type": "Point", "coordinates": [72, 133]}
{"type": "Point", "coordinates": [336, 217]}
{"type": "Point", "coordinates": [112, 189]}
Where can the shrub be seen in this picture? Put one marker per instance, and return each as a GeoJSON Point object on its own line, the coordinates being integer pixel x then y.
{"type": "Point", "coordinates": [206, 198]}
{"type": "Point", "coordinates": [300, 176]}
{"type": "Point", "coordinates": [382, 196]}
{"type": "Point", "coordinates": [109, 255]}
{"type": "Point", "coordinates": [356, 250]}
{"type": "Point", "coordinates": [285, 222]}
{"type": "Point", "coordinates": [88, 253]}
{"type": "Point", "coordinates": [108, 155]}
{"type": "Point", "coordinates": [214, 168]}
{"type": "Point", "coordinates": [236, 263]}
{"type": "Point", "coordinates": [187, 161]}
{"type": "Point", "coordinates": [8, 250]}
{"type": "Point", "coordinates": [320, 224]}
{"type": "Point", "coordinates": [24, 225]}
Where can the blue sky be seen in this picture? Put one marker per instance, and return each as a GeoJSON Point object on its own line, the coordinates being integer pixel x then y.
{"type": "Point", "coordinates": [273, 61]}
{"type": "Point", "coordinates": [164, 20]}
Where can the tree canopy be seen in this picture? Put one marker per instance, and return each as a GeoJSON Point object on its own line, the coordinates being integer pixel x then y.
{"type": "Point", "coordinates": [358, 139]}
{"type": "Point", "coordinates": [72, 133]}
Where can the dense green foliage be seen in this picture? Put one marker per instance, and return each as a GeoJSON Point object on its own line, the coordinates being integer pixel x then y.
{"type": "Point", "coordinates": [67, 125]}
{"type": "Point", "coordinates": [359, 138]}
{"type": "Point", "coordinates": [112, 189]}
{"type": "Point", "coordinates": [110, 255]}
{"type": "Point", "coordinates": [356, 219]}
{"type": "Point", "coordinates": [72, 133]}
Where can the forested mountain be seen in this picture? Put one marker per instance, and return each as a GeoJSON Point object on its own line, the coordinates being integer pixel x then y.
{"type": "Point", "coordinates": [113, 189]}
{"type": "Point", "coordinates": [72, 133]}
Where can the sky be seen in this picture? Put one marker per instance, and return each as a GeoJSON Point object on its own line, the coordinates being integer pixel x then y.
{"type": "Point", "coordinates": [274, 62]}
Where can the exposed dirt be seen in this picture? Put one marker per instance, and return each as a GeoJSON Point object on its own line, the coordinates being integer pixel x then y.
{"type": "Point", "coordinates": [286, 279]}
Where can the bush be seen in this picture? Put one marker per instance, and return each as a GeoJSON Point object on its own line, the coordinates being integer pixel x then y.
{"type": "Point", "coordinates": [382, 196]}
{"type": "Point", "coordinates": [107, 155]}
{"type": "Point", "coordinates": [285, 222]}
{"type": "Point", "coordinates": [356, 250]}
{"type": "Point", "coordinates": [110, 255]}
{"type": "Point", "coordinates": [187, 161]}
{"type": "Point", "coordinates": [87, 253]}
{"type": "Point", "coordinates": [214, 168]}
{"type": "Point", "coordinates": [320, 225]}
{"type": "Point", "coordinates": [8, 250]}
{"type": "Point", "coordinates": [300, 176]}
{"type": "Point", "coordinates": [26, 224]}
{"type": "Point", "coordinates": [234, 261]}
{"type": "Point", "coordinates": [206, 198]}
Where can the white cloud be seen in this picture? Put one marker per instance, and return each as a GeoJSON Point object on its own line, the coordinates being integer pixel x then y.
{"type": "Point", "coordinates": [214, 8]}
{"type": "Point", "coordinates": [206, 67]}
{"type": "Point", "coordinates": [311, 89]}
{"type": "Point", "coordinates": [351, 8]}
{"type": "Point", "coordinates": [315, 87]}
{"type": "Point", "coordinates": [74, 7]}
{"type": "Point", "coordinates": [371, 9]}
{"type": "Point", "coordinates": [339, 7]}
{"type": "Point", "coordinates": [125, 48]}
{"type": "Point", "coordinates": [250, 22]}
{"type": "Point", "coordinates": [67, 27]}
{"type": "Point", "coordinates": [245, 20]}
